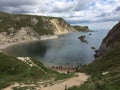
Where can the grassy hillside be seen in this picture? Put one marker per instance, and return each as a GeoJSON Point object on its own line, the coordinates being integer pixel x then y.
{"type": "Point", "coordinates": [14, 70]}
{"type": "Point", "coordinates": [105, 70]}
{"type": "Point", "coordinates": [43, 25]}
{"type": "Point", "coordinates": [109, 63]}
{"type": "Point", "coordinates": [18, 21]}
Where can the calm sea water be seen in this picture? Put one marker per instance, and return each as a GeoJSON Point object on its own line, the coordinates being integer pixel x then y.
{"type": "Point", "coordinates": [67, 50]}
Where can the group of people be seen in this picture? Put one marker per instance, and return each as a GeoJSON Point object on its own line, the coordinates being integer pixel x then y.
{"type": "Point", "coordinates": [68, 69]}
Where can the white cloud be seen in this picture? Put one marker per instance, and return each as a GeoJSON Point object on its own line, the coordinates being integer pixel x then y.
{"type": "Point", "coordinates": [107, 25]}
{"type": "Point", "coordinates": [74, 11]}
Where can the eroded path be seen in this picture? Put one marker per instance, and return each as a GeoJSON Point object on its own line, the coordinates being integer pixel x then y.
{"type": "Point", "coordinates": [75, 81]}
{"type": "Point", "coordinates": [79, 79]}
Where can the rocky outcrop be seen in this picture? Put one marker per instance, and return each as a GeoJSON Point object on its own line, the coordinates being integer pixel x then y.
{"type": "Point", "coordinates": [82, 39]}
{"type": "Point", "coordinates": [110, 41]}
{"type": "Point", "coordinates": [61, 27]}
{"type": "Point", "coordinates": [24, 34]}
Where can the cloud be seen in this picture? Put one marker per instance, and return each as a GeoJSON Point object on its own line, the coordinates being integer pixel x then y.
{"type": "Point", "coordinates": [82, 4]}
{"type": "Point", "coordinates": [117, 8]}
{"type": "Point", "coordinates": [62, 6]}
{"type": "Point", "coordinates": [22, 6]}
{"type": "Point", "coordinates": [74, 11]}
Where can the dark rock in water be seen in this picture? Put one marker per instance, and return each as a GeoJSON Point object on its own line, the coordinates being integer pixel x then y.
{"type": "Point", "coordinates": [96, 51]}
{"type": "Point", "coordinates": [96, 56]}
{"type": "Point", "coordinates": [82, 39]}
{"type": "Point", "coordinates": [93, 48]}
{"type": "Point", "coordinates": [90, 34]}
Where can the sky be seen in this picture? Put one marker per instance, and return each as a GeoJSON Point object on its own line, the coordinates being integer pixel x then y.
{"type": "Point", "coordinates": [97, 14]}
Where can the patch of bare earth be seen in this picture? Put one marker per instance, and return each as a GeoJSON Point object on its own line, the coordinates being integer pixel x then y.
{"type": "Point", "coordinates": [78, 80]}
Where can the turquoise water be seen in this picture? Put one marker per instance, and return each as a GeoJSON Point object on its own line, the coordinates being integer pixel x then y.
{"type": "Point", "coordinates": [67, 50]}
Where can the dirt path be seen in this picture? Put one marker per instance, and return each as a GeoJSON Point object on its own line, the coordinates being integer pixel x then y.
{"type": "Point", "coordinates": [79, 79]}
{"type": "Point", "coordinates": [75, 81]}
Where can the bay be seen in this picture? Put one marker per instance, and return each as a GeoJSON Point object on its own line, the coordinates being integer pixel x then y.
{"type": "Point", "coordinates": [67, 50]}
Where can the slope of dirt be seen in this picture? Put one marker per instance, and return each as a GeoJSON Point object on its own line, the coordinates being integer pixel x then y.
{"type": "Point", "coordinates": [79, 79]}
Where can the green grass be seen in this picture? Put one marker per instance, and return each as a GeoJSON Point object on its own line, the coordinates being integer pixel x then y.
{"type": "Point", "coordinates": [14, 70]}
{"type": "Point", "coordinates": [110, 62]}
{"type": "Point", "coordinates": [82, 28]}
{"type": "Point", "coordinates": [43, 27]}
{"type": "Point", "coordinates": [63, 76]}
{"type": "Point", "coordinates": [17, 21]}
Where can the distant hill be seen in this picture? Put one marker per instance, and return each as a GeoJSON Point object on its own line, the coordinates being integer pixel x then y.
{"type": "Point", "coordinates": [105, 70]}
{"type": "Point", "coordinates": [82, 28]}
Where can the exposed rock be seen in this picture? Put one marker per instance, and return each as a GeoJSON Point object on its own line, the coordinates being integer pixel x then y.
{"type": "Point", "coordinates": [25, 33]}
{"type": "Point", "coordinates": [61, 27]}
{"type": "Point", "coordinates": [34, 21]}
{"type": "Point", "coordinates": [105, 73]}
{"type": "Point", "coordinates": [82, 39]}
{"type": "Point", "coordinates": [93, 48]}
{"type": "Point", "coordinates": [48, 37]}
{"type": "Point", "coordinates": [90, 34]}
{"type": "Point", "coordinates": [110, 40]}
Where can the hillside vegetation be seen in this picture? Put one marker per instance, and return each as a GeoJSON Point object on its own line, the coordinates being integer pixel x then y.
{"type": "Point", "coordinates": [105, 70]}
{"type": "Point", "coordinates": [41, 24]}
{"type": "Point", "coordinates": [82, 28]}
{"type": "Point", "coordinates": [14, 70]}
{"type": "Point", "coordinates": [16, 28]}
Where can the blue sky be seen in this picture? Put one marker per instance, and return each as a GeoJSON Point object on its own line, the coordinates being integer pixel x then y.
{"type": "Point", "coordinates": [97, 14]}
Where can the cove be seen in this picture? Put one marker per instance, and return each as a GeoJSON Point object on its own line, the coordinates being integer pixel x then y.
{"type": "Point", "coordinates": [67, 50]}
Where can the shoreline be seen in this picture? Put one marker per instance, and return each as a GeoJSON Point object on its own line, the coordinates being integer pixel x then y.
{"type": "Point", "coordinates": [43, 37]}
{"type": "Point", "coordinates": [62, 69]}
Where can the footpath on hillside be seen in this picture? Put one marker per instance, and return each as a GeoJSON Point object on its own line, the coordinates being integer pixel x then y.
{"type": "Point", "coordinates": [77, 80]}
{"type": "Point", "coordinates": [74, 81]}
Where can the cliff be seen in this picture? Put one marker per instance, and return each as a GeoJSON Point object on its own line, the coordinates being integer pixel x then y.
{"type": "Point", "coordinates": [16, 27]}
{"type": "Point", "coordinates": [105, 70]}
{"type": "Point", "coordinates": [110, 41]}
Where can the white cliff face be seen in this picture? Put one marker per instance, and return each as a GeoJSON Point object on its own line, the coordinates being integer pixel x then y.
{"type": "Point", "coordinates": [60, 27]}
{"type": "Point", "coordinates": [24, 34]}
{"type": "Point", "coordinates": [34, 21]}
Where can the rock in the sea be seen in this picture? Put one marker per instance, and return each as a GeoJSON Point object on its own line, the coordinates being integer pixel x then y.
{"type": "Point", "coordinates": [93, 48]}
{"type": "Point", "coordinates": [90, 34]}
{"type": "Point", "coordinates": [82, 39]}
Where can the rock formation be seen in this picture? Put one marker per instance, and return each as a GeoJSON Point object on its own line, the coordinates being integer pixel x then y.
{"type": "Point", "coordinates": [110, 41]}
